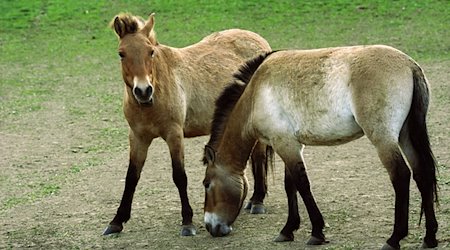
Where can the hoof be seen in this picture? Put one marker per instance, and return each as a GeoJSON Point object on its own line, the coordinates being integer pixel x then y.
{"type": "Point", "coordinates": [388, 247]}
{"type": "Point", "coordinates": [248, 206]}
{"type": "Point", "coordinates": [314, 241]}
{"type": "Point", "coordinates": [188, 230]}
{"type": "Point", "coordinates": [255, 208]}
{"type": "Point", "coordinates": [283, 238]}
{"type": "Point", "coordinates": [432, 244]}
{"type": "Point", "coordinates": [113, 229]}
{"type": "Point", "coordinates": [258, 209]}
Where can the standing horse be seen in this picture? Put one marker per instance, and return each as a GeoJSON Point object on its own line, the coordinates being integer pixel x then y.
{"type": "Point", "coordinates": [290, 99]}
{"type": "Point", "coordinates": [170, 93]}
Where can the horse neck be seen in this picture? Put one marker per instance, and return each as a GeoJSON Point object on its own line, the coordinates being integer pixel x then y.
{"type": "Point", "coordinates": [165, 61]}
{"type": "Point", "coordinates": [236, 143]}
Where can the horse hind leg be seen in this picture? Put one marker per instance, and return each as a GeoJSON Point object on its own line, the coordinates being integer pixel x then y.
{"type": "Point", "coordinates": [424, 176]}
{"type": "Point", "coordinates": [391, 156]}
{"type": "Point", "coordinates": [260, 159]}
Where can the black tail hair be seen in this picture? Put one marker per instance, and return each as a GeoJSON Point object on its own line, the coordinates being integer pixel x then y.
{"type": "Point", "coordinates": [419, 135]}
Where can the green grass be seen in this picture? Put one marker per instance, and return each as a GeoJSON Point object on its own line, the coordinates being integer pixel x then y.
{"type": "Point", "coordinates": [44, 43]}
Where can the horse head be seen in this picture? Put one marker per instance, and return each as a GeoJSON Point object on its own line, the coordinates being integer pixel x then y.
{"type": "Point", "coordinates": [224, 195]}
{"type": "Point", "coordinates": [137, 50]}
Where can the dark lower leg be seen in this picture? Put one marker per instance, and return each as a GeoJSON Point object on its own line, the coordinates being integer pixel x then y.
{"type": "Point", "coordinates": [180, 180]}
{"type": "Point", "coordinates": [259, 170]}
{"type": "Point", "coordinates": [431, 224]}
{"type": "Point", "coordinates": [124, 211]}
{"type": "Point", "coordinates": [303, 186]}
{"type": "Point", "coordinates": [400, 180]}
{"type": "Point", "coordinates": [293, 221]}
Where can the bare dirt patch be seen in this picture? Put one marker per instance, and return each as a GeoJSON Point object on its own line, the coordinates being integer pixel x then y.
{"type": "Point", "coordinates": [59, 191]}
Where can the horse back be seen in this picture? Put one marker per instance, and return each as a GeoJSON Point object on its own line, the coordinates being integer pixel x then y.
{"type": "Point", "coordinates": [205, 68]}
{"type": "Point", "coordinates": [331, 96]}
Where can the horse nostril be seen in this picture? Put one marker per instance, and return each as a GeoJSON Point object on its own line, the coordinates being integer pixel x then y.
{"type": "Point", "coordinates": [137, 92]}
{"type": "Point", "coordinates": [143, 93]}
{"type": "Point", "coordinates": [148, 91]}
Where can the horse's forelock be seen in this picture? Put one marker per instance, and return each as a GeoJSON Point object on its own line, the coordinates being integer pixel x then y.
{"type": "Point", "coordinates": [127, 24]}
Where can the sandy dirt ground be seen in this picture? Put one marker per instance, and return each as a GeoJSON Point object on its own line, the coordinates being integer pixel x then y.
{"type": "Point", "coordinates": [350, 185]}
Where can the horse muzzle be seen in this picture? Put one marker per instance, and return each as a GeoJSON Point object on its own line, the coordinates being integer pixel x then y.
{"type": "Point", "coordinates": [215, 227]}
{"type": "Point", "coordinates": [218, 230]}
{"type": "Point", "coordinates": [143, 95]}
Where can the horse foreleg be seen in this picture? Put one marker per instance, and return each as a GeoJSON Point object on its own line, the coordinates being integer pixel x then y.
{"type": "Point", "coordinates": [293, 221]}
{"type": "Point", "coordinates": [315, 216]}
{"type": "Point", "coordinates": [138, 154]}
{"type": "Point", "coordinates": [176, 147]}
{"type": "Point", "coordinates": [259, 170]}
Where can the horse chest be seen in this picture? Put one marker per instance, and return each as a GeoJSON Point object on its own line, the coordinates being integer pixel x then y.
{"type": "Point", "coordinates": [145, 122]}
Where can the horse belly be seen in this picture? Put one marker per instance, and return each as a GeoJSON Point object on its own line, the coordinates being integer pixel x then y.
{"type": "Point", "coordinates": [322, 123]}
{"type": "Point", "coordinates": [330, 130]}
{"type": "Point", "coordinates": [194, 131]}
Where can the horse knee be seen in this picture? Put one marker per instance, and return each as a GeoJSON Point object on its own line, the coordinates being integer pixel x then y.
{"type": "Point", "coordinates": [301, 178]}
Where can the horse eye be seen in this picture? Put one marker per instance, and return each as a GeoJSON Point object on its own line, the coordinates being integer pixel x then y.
{"type": "Point", "coordinates": [152, 54]}
{"type": "Point", "coordinates": [121, 54]}
{"type": "Point", "coordinates": [207, 184]}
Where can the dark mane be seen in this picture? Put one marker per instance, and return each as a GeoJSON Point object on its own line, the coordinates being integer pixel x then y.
{"type": "Point", "coordinates": [230, 96]}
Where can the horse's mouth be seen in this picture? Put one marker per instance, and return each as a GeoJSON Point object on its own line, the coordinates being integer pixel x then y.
{"type": "Point", "coordinates": [147, 103]}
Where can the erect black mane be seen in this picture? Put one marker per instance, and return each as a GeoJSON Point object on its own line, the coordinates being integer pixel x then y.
{"type": "Point", "coordinates": [230, 96]}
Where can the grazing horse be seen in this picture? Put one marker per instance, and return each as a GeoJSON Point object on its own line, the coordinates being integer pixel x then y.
{"type": "Point", "coordinates": [289, 99]}
{"type": "Point", "coordinates": [170, 93]}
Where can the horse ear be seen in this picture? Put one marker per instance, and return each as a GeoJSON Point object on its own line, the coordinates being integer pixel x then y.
{"type": "Point", "coordinates": [148, 28]}
{"type": "Point", "coordinates": [209, 155]}
{"type": "Point", "coordinates": [118, 27]}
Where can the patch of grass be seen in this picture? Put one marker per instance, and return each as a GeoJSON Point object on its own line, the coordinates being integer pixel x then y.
{"type": "Point", "coordinates": [47, 189]}
{"type": "Point", "coordinates": [40, 191]}
{"type": "Point", "coordinates": [13, 201]}
{"type": "Point", "coordinates": [413, 26]}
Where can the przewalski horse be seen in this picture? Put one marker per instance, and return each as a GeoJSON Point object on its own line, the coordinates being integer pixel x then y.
{"type": "Point", "coordinates": [289, 99]}
{"type": "Point", "coordinates": [170, 93]}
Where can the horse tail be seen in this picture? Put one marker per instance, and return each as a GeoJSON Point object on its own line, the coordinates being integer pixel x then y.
{"type": "Point", "coordinates": [270, 161]}
{"type": "Point", "coordinates": [427, 165]}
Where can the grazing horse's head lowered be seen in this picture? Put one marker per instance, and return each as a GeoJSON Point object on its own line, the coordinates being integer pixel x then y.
{"type": "Point", "coordinates": [137, 50]}
{"type": "Point", "coordinates": [224, 192]}
{"type": "Point", "coordinates": [330, 96]}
